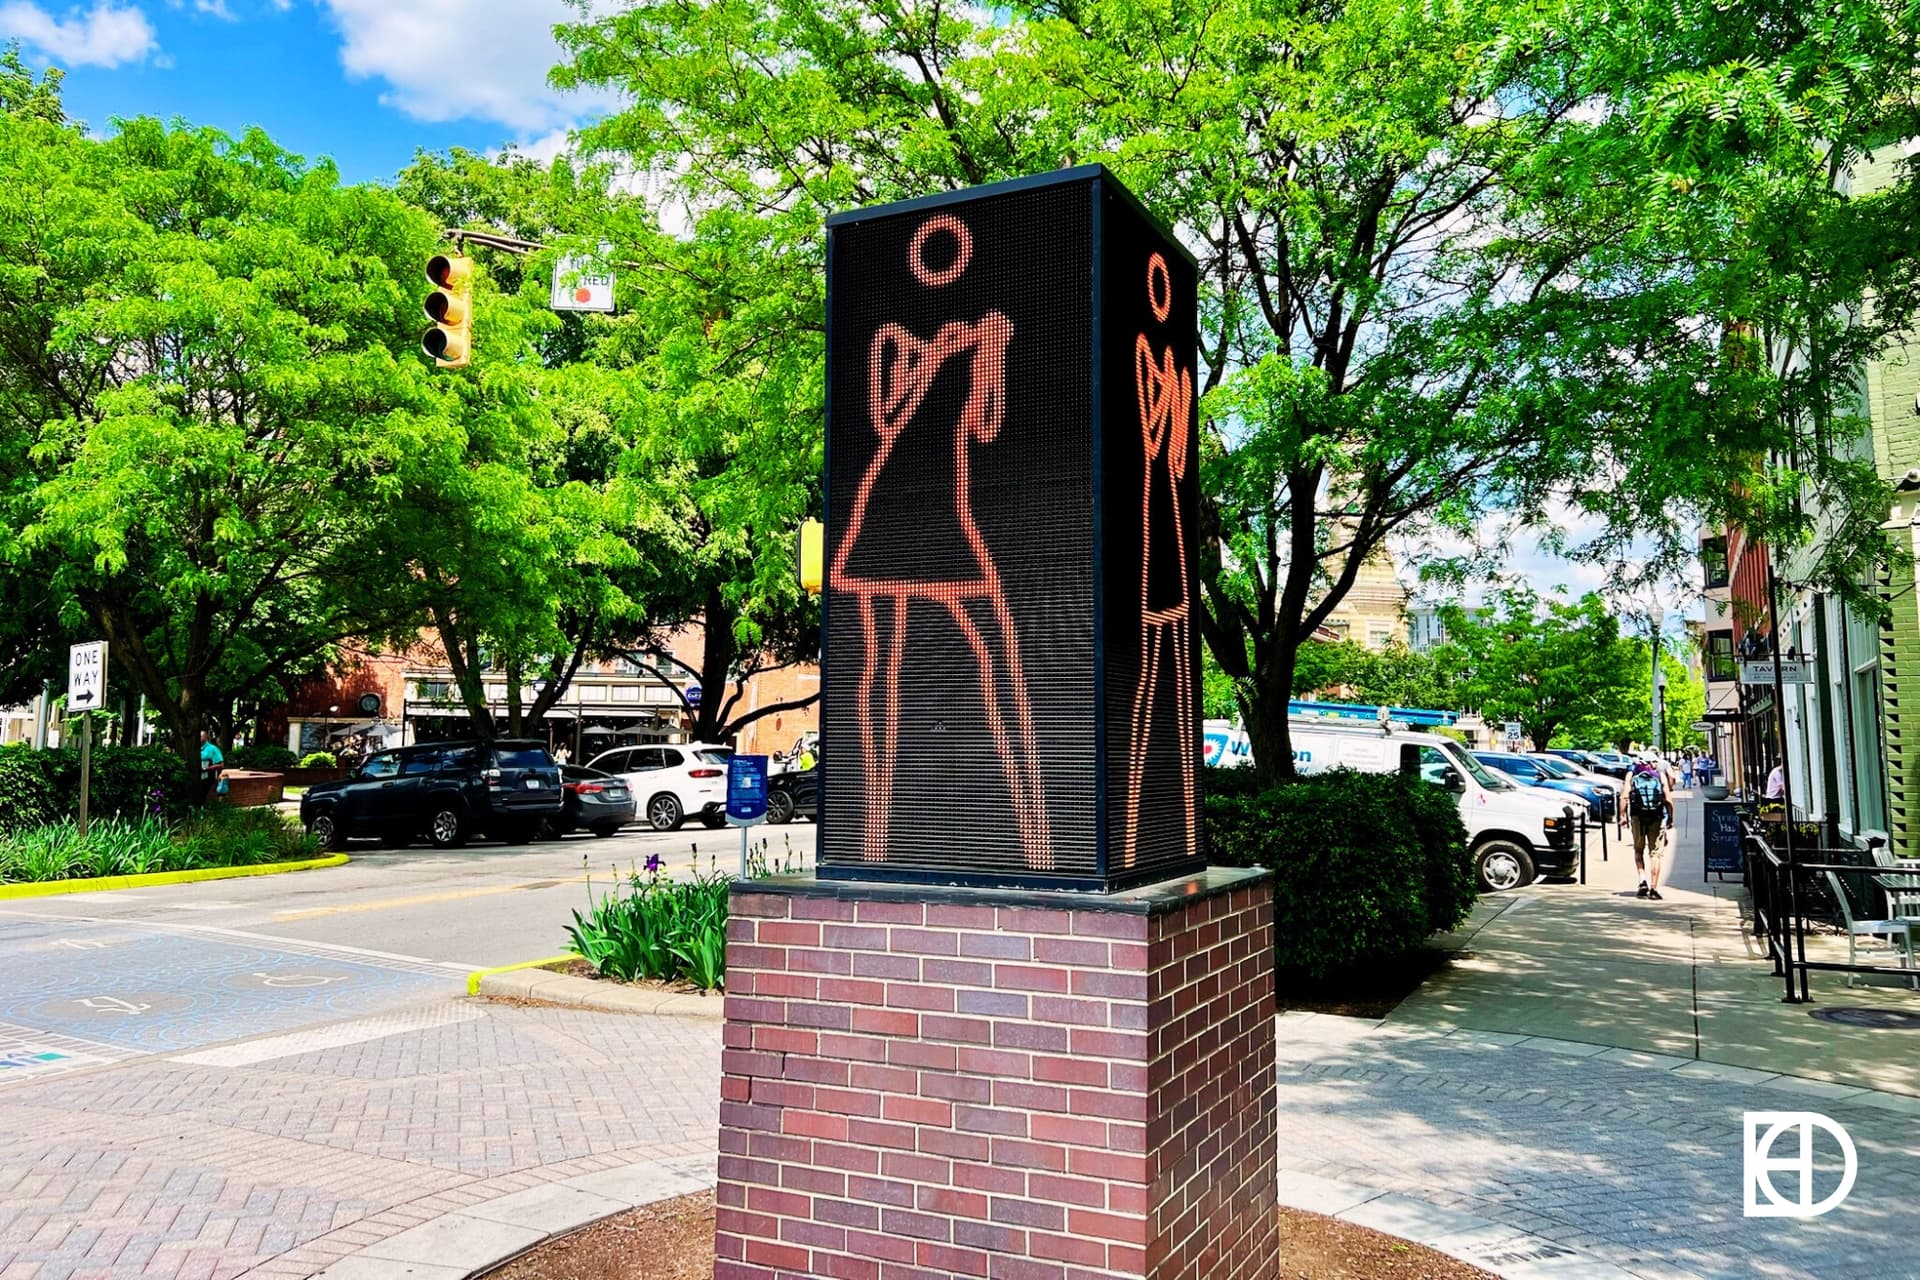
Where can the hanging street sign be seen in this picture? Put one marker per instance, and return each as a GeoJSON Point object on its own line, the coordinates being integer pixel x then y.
{"type": "Point", "coordinates": [580, 286]}
{"type": "Point", "coordinates": [87, 676]}
{"type": "Point", "coordinates": [1792, 671]}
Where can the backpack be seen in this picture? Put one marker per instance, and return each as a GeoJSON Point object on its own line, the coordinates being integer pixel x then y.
{"type": "Point", "coordinates": [1646, 795]}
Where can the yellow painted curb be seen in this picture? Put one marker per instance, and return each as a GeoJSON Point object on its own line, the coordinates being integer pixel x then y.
{"type": "Point", "coordinates": [53, 888]}
{"type": "Point", "coordinates": [473, 979]}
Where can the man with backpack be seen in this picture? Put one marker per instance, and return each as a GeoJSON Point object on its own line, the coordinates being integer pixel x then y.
{"type": "Point", "coordinates": [1650, 810]}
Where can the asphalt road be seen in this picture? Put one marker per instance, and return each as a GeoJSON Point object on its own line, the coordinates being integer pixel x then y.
{"type": "Point", "coordinates": [105, 977]}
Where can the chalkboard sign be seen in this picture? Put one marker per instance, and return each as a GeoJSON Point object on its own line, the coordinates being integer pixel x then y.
{"type": "Point", "coordinates": [1723, 838]}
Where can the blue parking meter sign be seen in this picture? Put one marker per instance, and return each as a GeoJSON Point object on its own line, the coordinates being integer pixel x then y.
{"type": "Point", "coordinates": [746, 790]}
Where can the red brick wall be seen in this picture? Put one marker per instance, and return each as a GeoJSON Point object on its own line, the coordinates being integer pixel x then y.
{"type": "Point", "coordinates": [921, 1091]}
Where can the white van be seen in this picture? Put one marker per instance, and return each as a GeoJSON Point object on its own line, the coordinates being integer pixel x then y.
{"type": "Point", "coordinates": [1515, 832]}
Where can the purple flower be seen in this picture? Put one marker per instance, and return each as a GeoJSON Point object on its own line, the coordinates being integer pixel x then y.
{"type": "Point", "coordinates": [654, 863]}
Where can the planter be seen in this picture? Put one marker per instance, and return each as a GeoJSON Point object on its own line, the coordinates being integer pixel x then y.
{"type": "Point", "coordinates": [1715, 792]}
{"type": "Point", "coordinates": [307, 777]}
{"type": "Point", "coordinates": [251, 789]}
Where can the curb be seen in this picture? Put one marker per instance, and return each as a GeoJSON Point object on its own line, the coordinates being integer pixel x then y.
{"type": "Point", "coordinates": [102, 884]}
{"type": "Point", "coordinates": [475, 978]}
{"type": "Point", "coordinates": [529, 982]}
{"type": "Point", "coordinates": [478, 1239]}
{"type": "Point", "coordinates": [1481, 1242]}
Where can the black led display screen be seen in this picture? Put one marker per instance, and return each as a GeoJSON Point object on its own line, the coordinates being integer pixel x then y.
{"type": "Point", "coordinates": [1011, 663]}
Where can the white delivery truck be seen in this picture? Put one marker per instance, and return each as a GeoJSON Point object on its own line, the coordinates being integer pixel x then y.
{"type": "Point", "coordinates": [1515, 832]}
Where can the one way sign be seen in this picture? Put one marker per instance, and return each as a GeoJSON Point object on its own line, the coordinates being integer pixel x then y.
{"type": "Point", "coordinates": [86, 676]}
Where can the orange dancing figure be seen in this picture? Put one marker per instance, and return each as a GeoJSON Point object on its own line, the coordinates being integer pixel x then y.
{"type": "Point", "coordinates": [1166, 406]}
{"type": "Point", "coordinates": [959, 572]}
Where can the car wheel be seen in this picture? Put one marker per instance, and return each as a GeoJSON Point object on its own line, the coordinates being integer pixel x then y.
{"type": "Point", "coordinates": [713, 821]}
{"type": "Point", "coordinates": [606, 829]}
{"type": "Point", "coordinates": [445, 828]}
{"type": "Point", "coordinates": [663, 813]}
{"type": "Point", "coordinates": [520, 832]}
{"type": "Point", "coordinates": [1503, 865]}
{"type": "Point", "coordinates": [779, 806]}
{"type": "Point", "coordinates": [325, 830]}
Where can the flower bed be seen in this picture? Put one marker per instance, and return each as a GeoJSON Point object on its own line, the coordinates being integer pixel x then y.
{"type": "Point", "coordinates": [662, 930]}
{"type": "Point", "coordinates": [218, 837]}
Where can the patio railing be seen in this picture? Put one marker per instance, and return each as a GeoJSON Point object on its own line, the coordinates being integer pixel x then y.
{"type": "Point", "coordinates": [1788, 892]}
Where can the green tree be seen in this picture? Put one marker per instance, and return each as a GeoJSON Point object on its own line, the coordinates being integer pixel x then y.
{"type": "Point", "coordinates": [1550, 664]}
{"type": "Point", "coordinates": [1459, 258]}
{"type": "Point", "coordinates": [208, 401]}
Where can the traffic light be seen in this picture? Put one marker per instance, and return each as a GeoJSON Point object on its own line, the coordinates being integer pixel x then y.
{"type": "Point", "coordinates": [450, 307]}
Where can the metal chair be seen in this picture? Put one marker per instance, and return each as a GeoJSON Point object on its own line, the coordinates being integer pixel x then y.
{"type": "Point", "coordinates": [1898, 933]}
{"type": "Point", "coordinates": [1903, 889]}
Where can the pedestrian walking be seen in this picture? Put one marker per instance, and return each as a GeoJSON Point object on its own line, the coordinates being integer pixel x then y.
{"type": "Point", "coordinates": [1686, 771]}
{"type": "Point", "coordinates": [213, 767]}
{"type": "Point", "coordinates": [1650, 810]}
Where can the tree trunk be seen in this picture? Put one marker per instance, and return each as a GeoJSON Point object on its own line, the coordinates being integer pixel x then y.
{"type": "Point", "coordinates": [717, 653]}
{"type": "Point", "coordinates": [1265, 712]}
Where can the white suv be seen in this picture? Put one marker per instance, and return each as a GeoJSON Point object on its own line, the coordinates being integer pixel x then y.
{"type": "Point", "coordinates": [672, 783]}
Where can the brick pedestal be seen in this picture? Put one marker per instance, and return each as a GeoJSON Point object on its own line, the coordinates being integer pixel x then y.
{"type": "Point", "coordinates": [925, 1083]}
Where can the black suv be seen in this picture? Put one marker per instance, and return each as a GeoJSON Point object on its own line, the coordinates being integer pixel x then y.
{"type": "Point", "coordinates": [445, 791]}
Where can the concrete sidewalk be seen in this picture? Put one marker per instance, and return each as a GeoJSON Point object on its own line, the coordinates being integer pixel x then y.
{"type": "Point", "coordinates": [1681, 978]}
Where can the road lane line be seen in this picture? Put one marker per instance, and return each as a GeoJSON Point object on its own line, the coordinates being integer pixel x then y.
{"type": "Point", "coordinates": [422, 899]}
{"type": "Point", "coordinates": [216, 934]}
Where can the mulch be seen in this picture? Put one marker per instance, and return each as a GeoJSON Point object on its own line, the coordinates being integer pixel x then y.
{"type": "Point", "coordinates": [673, 1240]}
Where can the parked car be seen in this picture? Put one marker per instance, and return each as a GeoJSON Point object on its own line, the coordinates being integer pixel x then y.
{"type": "Point", "coordinates": [1614, 789]}
{"type": "Point", "coordinates": [1529, 772]}
{"type": "Point", "coordinates": [794, 794]}
{"type": "Point", "coordinates": [598, 802]}
{"type": "Point", "coordinates": [1514, 832]}
{"type": "Point", "coordinates": [673, 783]}
{"type": "Point", "coordinates": [444, 791]}
{"type": "Point", "coordinates": [1601, 762]}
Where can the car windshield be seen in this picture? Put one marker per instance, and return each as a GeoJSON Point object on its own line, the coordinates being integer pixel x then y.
{"type": "Point", "coordinates": [1554, 767]}
{"type": "Point", "coordinates": [1491, 779]}
{"type": "Point", "coordinates": [715, 755]}
{"type": "Point", "coordinates": [521, 757]}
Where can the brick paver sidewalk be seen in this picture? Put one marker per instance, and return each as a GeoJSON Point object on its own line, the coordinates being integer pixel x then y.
{"type": "Point", "coordinates": [1623, 1161]}
{"type": "Point", "coordinates": [275, 1157]}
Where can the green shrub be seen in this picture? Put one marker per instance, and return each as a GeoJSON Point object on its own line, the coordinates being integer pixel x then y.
{"type": "Point", "coordinates": [665, 930]}
{"type": "Point", "coordinates": [41, 787]}
{"type": "Point", "coordinates": [1365, 866]}
{"type": "Point", "coordinates": [319, 760]}
{"type": "Point", "coordinates": [265, 756]}
{"type": "Point", "coordinates": [218, 837]}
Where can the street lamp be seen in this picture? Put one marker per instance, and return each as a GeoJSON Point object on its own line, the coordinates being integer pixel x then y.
{"type": "Point", "coordinates": [1658, 617]}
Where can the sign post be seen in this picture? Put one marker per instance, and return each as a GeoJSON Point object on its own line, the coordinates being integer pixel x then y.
{"type": "Point", "coordinates": [86, 690]}
{"type": "Point", "coordinates": [746, 798]}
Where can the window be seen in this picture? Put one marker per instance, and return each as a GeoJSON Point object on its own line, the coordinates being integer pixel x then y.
{"type": "Point", "coordinates": [381, 766]}
{"type": "Point", "coordinates": [1713, 561]}
{"type": "Point", "coordinates": [521, 757]}
{"type": "Point", "coordinates": [459, 760]}
{"type": "Point", "coordinates": [715, 755]}
{"type": "Point", "coordinates": [1719, 656]}
{"type": "Point", "coordinates": [644, 759]}
{"type": "Point", "coordinates": [420, 762]}
{"type": "Point", "coordinates": [669, 758]}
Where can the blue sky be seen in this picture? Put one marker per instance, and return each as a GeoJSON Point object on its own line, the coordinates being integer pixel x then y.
{"type": "Point", "coordinates": [367, 82]}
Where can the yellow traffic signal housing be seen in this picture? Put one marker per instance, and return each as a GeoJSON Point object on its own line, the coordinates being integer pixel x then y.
{"type": "Point", "coordinates": [450, 307]}
{"type": "Point", "coordinates": [812, 557]}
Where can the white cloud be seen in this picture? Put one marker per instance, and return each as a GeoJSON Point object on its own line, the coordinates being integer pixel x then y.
{"type": "Point", "coordinates": [462, 59]}
{"type": "Point", "coordinates": [106, 35]}
{"type": "Point", "coordinates": [545, 149]}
